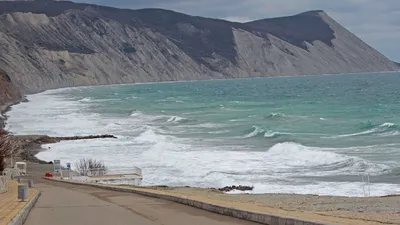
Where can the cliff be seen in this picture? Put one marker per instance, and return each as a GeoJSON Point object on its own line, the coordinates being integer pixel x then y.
{"type": "Point", "coordinates": [53, 44]}
{"type": "Point", "coordinates": [8, 92]}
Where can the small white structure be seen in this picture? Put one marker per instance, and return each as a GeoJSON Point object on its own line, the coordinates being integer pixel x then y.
{"type": "Point", "coordinates": [120, 176]}
{"type": "Point", "coordinates": [21, 168]}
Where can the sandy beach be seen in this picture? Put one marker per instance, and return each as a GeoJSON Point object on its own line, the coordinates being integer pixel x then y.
{"type": "Point", "coordinates": [379, 210]}
{"type": "Point", "coordinates": [335, 210]}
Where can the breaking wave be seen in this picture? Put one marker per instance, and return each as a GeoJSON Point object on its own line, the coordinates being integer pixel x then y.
{"type": "Point", "coordinates": [318, 161]}
{"type": "Point", "coordinates": [85, 100]}
{"type": "Point", "coordinates": [177, 120]}
{"type": "Point", "coordinates": [385, 129]}
{"type": "Point", "coordinates": [275, 115]}
{"type": "Point", "coordinates": [271, 134]}
{"type": "Point", "coordinates": [258, 131]}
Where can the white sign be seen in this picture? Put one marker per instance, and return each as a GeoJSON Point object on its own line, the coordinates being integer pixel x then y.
{"type": "Point", "coordinates": [57, 166]}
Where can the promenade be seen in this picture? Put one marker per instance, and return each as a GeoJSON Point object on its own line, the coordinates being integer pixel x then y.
{"type": "Point", "coordinates": [67, 204]}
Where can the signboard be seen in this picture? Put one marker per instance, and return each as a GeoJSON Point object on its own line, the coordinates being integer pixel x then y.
{"type": "Point", "coordinates": [68, 166]}
{"type": "Point", "coordinates": [57, 166]}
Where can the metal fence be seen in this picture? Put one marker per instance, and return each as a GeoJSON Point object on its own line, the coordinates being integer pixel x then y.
{"type": "Point", "coordinates": [102, 172]}
{"type": "Point", "coordinates": [366, 185]}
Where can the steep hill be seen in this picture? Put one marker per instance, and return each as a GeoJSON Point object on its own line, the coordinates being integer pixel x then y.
{"type": "Point", "coordinates": [52, 44]}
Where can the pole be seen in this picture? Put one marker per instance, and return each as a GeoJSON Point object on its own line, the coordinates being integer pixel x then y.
{"type": "Point", "coordinates": [362, 177]}
{"type": "Point", "coordinates": [369, 188]}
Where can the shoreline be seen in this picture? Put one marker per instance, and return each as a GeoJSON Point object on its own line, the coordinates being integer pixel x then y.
{"type": "Point", "coordinates": [6, 107]}
{"type": "Point", "coordinates": [32, 144]}
{"type": "Point", "coordinates": [28, 153]}
{"type": "Point", "coordinates": [31, 150]}
{"type": "Point", "coordinates": [3, 110]}
{"type": "Point", "coordinates": [371, 210]}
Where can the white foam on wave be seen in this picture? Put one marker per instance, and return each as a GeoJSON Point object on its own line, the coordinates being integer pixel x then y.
{"type": "Point", "coordinates": [256, 131]}
{"type": "Point", "coordinates": [312, 161]}
{"type": "Point", "coordinates": [142, 117]}
{"type": "Point", "coordinates": [271, 134]}
{"type": "Point", "coordinates": [388, 125]}
{"type": "Point", "coordinates": [206, 125]}
{"type": "Point", "coordinates": [166, 160]}
{"type": "Point", "coordinates": [169, 162]}
{"type": "Point", "coordinates": [85, 100]}
{"type": "Point", "coordinates": [378, 129]}
{"type": "Point", "coordinates": [52, 115]}
{"type": "Point", "coordinates": [356, 134]}
{"type": "Point", "coordinates": [390, 133]}
{"type": "Point", "coordinates": [176, 119]}
{"type": "Point", "coordinates": [150, 136]}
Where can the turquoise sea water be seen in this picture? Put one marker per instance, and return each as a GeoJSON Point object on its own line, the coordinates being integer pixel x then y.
{"type": "Point", "coordinates": [309, 134]}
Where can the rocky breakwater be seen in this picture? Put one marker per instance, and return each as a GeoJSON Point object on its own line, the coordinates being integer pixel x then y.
{"type": "Point", "coordinates": [30, 145]}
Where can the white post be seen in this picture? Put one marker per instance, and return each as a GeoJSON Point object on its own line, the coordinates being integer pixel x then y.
{"type": "Point", "coordinates": [362, 177]}
{"type": "Point", "coordinates": [369, 188]}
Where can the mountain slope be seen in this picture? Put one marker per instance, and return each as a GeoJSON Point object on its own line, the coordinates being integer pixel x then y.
{"type": "Point", "coordinates": [52, 44]}
{"type": "Point", "coordinates": [9, 94]}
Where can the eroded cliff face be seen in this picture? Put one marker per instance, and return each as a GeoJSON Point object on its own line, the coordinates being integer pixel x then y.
{"type": "Point", "coordinates": [48, 44]}
{"type": "Point", "coordinates": [8, 92]}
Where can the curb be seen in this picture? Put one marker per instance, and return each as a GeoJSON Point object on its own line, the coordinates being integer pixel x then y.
{"type": "Point", "coordinates": [258, 217]}
{"type": "Point", "coordinates": [20, 218]}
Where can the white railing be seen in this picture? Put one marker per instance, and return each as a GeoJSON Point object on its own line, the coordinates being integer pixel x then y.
{"type": "Point", "coordinates": [115, 175]}
{"type": "Point", "coordinates": [365, 181]}
{"type": "Point", "coordinates": [103, 172]}
{"type": "Point", "coordinates": [124, 170]}
{"type": "Point", "coordinates": [11, 172]}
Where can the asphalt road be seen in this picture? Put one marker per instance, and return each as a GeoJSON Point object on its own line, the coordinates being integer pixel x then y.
{"type": "Point", "coordinates": [68, 204]}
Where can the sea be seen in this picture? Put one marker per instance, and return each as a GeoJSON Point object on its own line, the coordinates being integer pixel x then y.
{"type": "Point", "coordinates": [324, 135]}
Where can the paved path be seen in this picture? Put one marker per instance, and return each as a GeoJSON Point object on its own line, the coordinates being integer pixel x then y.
{"type": "Point", "coordinates": [67, 204]}
{"type": "Point", "coordinates": [10, 206]}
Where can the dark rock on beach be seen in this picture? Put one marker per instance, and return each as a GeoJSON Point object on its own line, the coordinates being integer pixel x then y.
{"type": "Point", "coordinates": [238, 188]}
{"type": "Point", "coordinates": [30, 145]}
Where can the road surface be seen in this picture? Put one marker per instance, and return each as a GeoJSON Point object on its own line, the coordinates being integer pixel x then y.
{"type": "Point", "coordinates": [68, 204]}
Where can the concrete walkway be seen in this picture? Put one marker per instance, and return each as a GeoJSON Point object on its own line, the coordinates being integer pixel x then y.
{"type": "Point", "coordinates": [10, 206]}
{"type": "Point", "coordinates": [67, 204]}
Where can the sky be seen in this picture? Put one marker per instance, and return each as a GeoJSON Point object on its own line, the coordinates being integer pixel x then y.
{"type": "Point", "coordinates": [377, 22]}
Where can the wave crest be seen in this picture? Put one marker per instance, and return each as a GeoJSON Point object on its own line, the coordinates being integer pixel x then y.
{"type": "Point", "coordinates": [385, 129]}
{"type": "Point", "coordinates": [177, 119]}
{"type": "Point", "coordinates": [275, 115]}
{"type": "Point", "coordinates": [315, 160]}
{"type": "Point", "coordinates": [257, 131]}
{"type": "Point", "coordinates": [261, 132]}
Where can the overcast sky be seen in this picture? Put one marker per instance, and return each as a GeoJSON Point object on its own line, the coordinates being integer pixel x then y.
{"type": "Point", "coordinates": [377, 22]}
